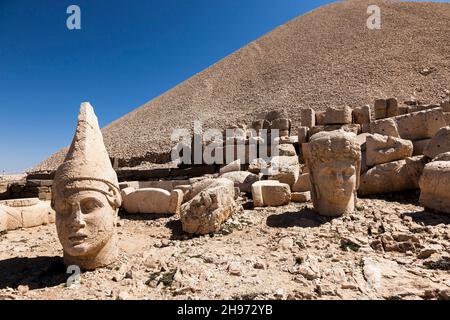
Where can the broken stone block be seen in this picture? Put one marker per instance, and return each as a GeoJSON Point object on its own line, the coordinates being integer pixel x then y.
{"type": "Point", "coordinates": [242, 180]}
{"type": "Point", "coordinates": [257, 165]}
{"type": "Point", "coordinates": [285, 169]}
{"type": "Point", "coordinates": [417, 108]}
{"type": "Point", "coordinates": [233, 166]}
{"type": "Point", "coordinates": [25, 213]}
{"type": "Point", "coordinates": [308, 117]}
{"type": "Point", "coordinates": [353, 128]}
{"type": "Point", "coordinates": [38, 215]}
{"type": "Point", "coordinates": [303, 134]}
{"type": "Point", "coordinates": [445, 105]}
{"type": "Point", "coordinates": [10, 218]}
{"type": "Point", "coordinates": [391, 107]}
{"type": "Point", "coordinates": [364, 166]}
{"type": "Point", "coordinates": [443, 157]}
{"type": "Point", "coordinates": [420, 125]}
{"type": "Point", "coordinates": [338, 115]}
{"type": "Point", "coordinates": [419, 146]}
{"type": "Point", "coordinates": [196, 187]}
{"type": "Point", "coordinates": [383, 149]}
{"type": "Point", "coordinates": [300, 197]}
{"type": "Point", "coordinates": [434, 186]}
{"type": "Point", "coordinates": [380, 109]}
{"type": "Point", "coordinates": [440, 143]}
{"type": "Point", "coordinates": [447, 118]}
{"type": "Point", "coordinates": [386, 178]}
{"type": "Point", "coordinates": [402, 110]}
{"type": "Point", "coordinates": [362, 115]}
{"type": "Point", "coordinates": [277, 114]}
{"type": "Point", "coordinates": [387, 127]}
{"type": "Point", "coordinates": [320, 118]}
{"type": "Point", "coordinates": [281, 124]}
{"type": "Point", "coordinates": [361, 139]}
{"type": "Point", "coordinates": [287, 150]}
{"type": "Point", "coordinates": [415, 166]}
{"type": "Point", "coordinates": [270, 193]}
{"type": "Point", "coordinates": [302, 184]}
{"type": "Point", "coordinates": [151, 200]}
{"type": "Point", "coordinates": [209, 209]}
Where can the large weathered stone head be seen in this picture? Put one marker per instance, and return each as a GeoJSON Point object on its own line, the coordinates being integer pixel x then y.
{"type": "Point", "coordinates": [86, 198]}
{"type": "Point", "coordinates": [334, 161]}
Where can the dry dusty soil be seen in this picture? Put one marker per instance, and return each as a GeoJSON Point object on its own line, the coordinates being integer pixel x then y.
{"type": "Point", "coordinates": [388, 249]}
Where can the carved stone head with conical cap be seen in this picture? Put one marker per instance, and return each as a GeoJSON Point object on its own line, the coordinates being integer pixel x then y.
{"type": "Point", "coordinates": [86, 198]}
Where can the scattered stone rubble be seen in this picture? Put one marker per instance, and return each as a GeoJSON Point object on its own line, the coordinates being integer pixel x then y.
{"type": "Point", "coordinates": [336, 155]}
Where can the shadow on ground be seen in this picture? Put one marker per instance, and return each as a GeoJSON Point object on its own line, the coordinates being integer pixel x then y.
{"type": "Point", "coordinates": [404, 197]}
{"type": "Point", "coordinates": [305, 218]}
{"type": "Point", "coordinates": [429, 218]}
{"type": "Point", "coordinates": [36, 273]}
{"type": "Point", "coordinates": [144, 216]}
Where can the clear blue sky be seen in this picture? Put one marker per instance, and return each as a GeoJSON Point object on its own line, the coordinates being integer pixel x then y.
{"type": "Point", "coordinates": [126, 53]}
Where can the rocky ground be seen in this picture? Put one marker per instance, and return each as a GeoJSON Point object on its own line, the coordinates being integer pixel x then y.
{"type": "Point", "coordinates": [388, 249]}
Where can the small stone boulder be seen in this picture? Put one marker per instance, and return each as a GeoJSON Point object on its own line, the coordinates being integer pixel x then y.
{"type": "Point", "coordinates": [440, 143]}
{"type": "Point", "coordinates": [434, 186]}
{"type": "Point", "coordinates": [383, 149]}
{"type": "Point", "coordinates": [270, 193]}
{"type": "Point", "coordinates": [242, 180]}
{"type": "Point", "coordinates": [209, 209]}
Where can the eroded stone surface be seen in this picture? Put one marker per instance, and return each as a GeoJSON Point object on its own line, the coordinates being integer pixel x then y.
{"type": "Point", "coordinates": [383, 149]}
{"type": "Point", "coordinates": [434, 186]}
{"type": "Point", "coordinates": [151, 200]}
{"type": "Point", "coordinates": [86, 198]}
{"type": "Point", "coordinates": [206, 212]}
{"type": "Point", "coordinates": [334, 162]}
{"type": "Point", "coordinates": [440, 143]}
{"type": "Point", "coordinates": [270, 193]}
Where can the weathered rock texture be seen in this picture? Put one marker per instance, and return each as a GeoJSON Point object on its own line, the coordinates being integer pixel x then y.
{"type": "Point", "coordinates": [440, 143]}
{"type": "Point", "coordinates": [206, 212]}
{"type": "Point", "coordinates": [270, 193]}
{"type": "Point", "coordinates": [434, 186]}
{"type": "Point", "coordinates": [151, 200]}
{"type": "Point", "coordinates": [382, 149]}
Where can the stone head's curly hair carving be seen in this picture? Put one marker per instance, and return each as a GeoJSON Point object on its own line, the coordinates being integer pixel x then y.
{"type": "Point", "coordinates": [334, 145]}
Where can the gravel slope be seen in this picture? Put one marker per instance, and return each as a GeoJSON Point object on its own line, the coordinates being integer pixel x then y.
{"type": "Point", "coordinates": [327, 57]}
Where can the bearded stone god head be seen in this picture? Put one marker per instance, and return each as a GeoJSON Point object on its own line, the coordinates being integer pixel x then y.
{"type": "Point", "coordinates": [86, 198]}
{"type": "Point", "coordinates": [334, 162]}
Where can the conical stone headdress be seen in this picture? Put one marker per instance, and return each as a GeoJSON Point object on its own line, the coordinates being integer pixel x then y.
{"type": "Point", "coordinates": [87, 165]}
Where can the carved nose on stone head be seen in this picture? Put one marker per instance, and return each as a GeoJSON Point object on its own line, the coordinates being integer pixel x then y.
{"type": "Point", "coordinates": [77, 217]}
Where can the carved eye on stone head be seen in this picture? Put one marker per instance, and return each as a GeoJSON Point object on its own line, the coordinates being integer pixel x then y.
{"type": "Point", "coordinates": [90, 204]}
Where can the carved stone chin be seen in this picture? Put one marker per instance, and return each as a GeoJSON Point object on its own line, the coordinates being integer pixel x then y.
{"type": "Point", "coordinates": [86, 198]}
{"type": "Point", "coordinates": [334, 161]}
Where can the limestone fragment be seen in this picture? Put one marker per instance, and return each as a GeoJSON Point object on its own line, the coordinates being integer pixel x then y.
{"type": "Point", "coordinates": [440, 143]}
{"type": "Point", "coordinates": [338, 115]}
{"type": "Point", "coordinates": [242, 180]}
{"type": "Point", "coordinates": [270, 193]}
{"type": "Point", "coordinates": [434, 186]}
{"type": "Point", "coordinates": [383, 149]}
{"type": "Point", "coordinates": [387, 127]}
{"type": "Point", "coordinates": [209, 209]}
{"type": "Point", "coordinates": [151, 200]}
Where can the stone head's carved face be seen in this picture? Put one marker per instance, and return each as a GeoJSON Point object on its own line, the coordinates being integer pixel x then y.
{"type": "Point", "coordinates": [85, 222]}
{"type": "Point", "coordinates": [336, 182]}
